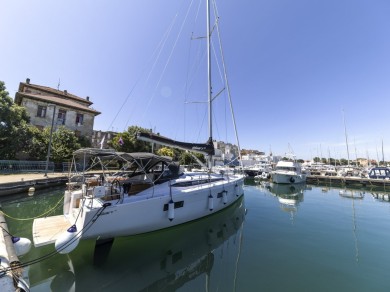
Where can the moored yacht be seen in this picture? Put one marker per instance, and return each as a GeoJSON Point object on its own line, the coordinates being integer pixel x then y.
{"type": "Point", "coordinates": [149, 193]}
{"type": "Point", "coordinates": [288, 172]}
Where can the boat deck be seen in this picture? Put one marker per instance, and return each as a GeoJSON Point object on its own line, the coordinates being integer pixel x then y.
{"type": "Point", "coordinates": [47, 230]}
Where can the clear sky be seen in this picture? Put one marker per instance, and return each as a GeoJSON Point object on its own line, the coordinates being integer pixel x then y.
{"type": "Point", "coordinates": [293, 67]}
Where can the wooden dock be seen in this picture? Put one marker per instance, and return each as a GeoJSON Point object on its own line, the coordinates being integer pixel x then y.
{"type": "Point", "coordinates": [47, 230]}
{"type": "Point", "coordinates": [349, 181]}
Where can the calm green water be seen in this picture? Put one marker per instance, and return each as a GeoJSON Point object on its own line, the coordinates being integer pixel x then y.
{"type": "Point", "coordinates": [279, 238]}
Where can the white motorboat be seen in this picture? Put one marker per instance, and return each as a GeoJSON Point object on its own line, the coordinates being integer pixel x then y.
{"type": "Point", "coordinates": [259, 170]}
{"type": "Point", "coordinates": [288, 172]}
{"type": "Point", "coordinates": [150, 193]}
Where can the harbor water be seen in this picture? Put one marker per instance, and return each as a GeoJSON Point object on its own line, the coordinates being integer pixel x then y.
{"type": "Point", "coordinates": [277, 238]}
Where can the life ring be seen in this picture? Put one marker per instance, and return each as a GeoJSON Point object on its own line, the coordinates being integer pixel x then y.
{"type": "Point", "coordinates": [264, 175]}
{"type": "Point", "coordinates": [292, 180]}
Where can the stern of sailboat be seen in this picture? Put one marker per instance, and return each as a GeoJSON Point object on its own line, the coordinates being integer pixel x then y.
{"type": "Point", "coordinates": [47, 230]}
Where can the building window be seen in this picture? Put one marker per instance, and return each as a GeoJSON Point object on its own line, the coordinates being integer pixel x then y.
{"type": "Point", "coordinates": [61, 117]}
{"type": "Point", "coordinates": [79, 119]}
{"type": "Point", "coordinates": [41, 113]}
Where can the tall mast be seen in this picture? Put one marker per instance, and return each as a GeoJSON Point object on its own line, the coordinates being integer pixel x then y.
{"type": "Point", "coordinates": [209, 78]}
{"type": "Point", "coordinates": [346, 136]}
{"type": "Point", "coordinates": [383, 155]}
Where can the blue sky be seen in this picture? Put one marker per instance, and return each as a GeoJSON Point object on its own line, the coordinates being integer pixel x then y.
{"type": "Point", "coordinates": [293, 67]}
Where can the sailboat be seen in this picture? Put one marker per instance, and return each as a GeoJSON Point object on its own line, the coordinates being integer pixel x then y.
{"type": "Point", "coordinates": [183, 256]}
{"type": "Point", "coordinates": [149, 192]}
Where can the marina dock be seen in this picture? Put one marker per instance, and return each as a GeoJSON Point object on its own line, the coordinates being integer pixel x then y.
{"type": "Point", "coordinates": [22, 182]}
{"type": "Point", "coordinates": [348, 181]}
{"type": "Point", "coordinates": [12, 184]}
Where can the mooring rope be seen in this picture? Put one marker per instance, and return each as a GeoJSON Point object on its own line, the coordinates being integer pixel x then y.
{"type": "Point", "coordinates": [4, 270]}
{"type": "Point", "coordinates": [31, 218]}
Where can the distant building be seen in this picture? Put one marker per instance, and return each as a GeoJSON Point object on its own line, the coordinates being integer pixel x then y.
{"type": "Point", "coordinates": [225, 152]}
{"type": "Point", "coordinates": [71, 111]}
{"type": "Point", "coordinates": [100, 139]}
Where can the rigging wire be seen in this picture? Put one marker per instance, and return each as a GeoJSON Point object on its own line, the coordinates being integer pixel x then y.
{"type": "Point", "coordinates": [188, 84]}
{"type": "Point", "coordinates": [186, 87]}
{"type": "Point", "coordinates": [227, 86]}
{"type": "Point", "coordinates": [160, 45]}
{"type": "Point", "coordinates": [167, 62]}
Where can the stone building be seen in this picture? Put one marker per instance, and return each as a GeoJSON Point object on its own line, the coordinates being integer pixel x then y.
{"type": "Point", "coordinates": [100, 139]}
{"type": "Point", "coordinates": [47, 106]}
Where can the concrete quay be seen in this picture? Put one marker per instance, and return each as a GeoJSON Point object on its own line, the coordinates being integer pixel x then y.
{"type": "Point", "coordinates": [12, 184]}
{"type": "Point", "coordinates": [349, 181]}
{"type": "Point", "coordinates": [21, 182]}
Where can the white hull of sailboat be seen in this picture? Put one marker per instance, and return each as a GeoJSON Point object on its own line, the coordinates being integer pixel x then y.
{"type": "Point", "coordinates": [144, 212]}
{"type": "Point", "coordinates": [150, 214]}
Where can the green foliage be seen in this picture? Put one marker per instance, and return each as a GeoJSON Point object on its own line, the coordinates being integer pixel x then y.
{"type": "Point", "coordinates": [37, 145]}
{"type": "Point", "coordinates": [14, 128]}
{"type": "Point", "coordinates": [187, 159]}
{"type": "Point", "coordinates": [64, 143]}
{"type": "Point", "coordinates": [84, 142]}
{"type": "Point", "coordinates": [166, 151]}
{"type": "Point", "coordinates": [130, 142]}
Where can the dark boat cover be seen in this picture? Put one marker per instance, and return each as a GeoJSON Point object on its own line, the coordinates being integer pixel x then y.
{"type": "Point", "coordinates": [204, 148]}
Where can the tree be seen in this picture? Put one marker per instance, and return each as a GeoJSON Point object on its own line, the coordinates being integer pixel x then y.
{"type": "Point", "coordinates": [37, 145]}
{"type": "Point", "coordinates": [128, 142]}
{"type": "Point", "coordinates": [187, 158]}
{"type": "Point", "coordinates": [14, 129]}
{"type": "Point", "coordinates": [343, 161]}
{"type": "Point", "coordinates": [64, 143]}
{"type": "Point", "coordinates": [166, 151]}
{"type": "Point", "coordinates": [84, 142]}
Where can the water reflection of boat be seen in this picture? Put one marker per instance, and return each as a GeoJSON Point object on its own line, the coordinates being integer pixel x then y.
{"type": "Point", "coordinates": [289, 196]}
{"type": "Point", "coordinates": [351, 194]}
{"type": "Point", "coordinates": [181, 255]}
{"type": "Point", "coordinates": [381, 196]}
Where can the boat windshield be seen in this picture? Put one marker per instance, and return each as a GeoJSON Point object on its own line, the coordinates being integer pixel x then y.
{"type": "Point", "coordinates": [286, 168]}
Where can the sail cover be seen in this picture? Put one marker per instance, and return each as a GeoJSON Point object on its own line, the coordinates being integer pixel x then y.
{"type": "Point", "coordinates": [204, 148]}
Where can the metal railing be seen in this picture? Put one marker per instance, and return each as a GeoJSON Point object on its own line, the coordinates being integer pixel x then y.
{"type": "Point", "coordinates": [18, 166]}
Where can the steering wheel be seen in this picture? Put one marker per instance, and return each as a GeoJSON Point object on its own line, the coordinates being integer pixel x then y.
{"type": "Point", "coordinates": [115, 187]}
